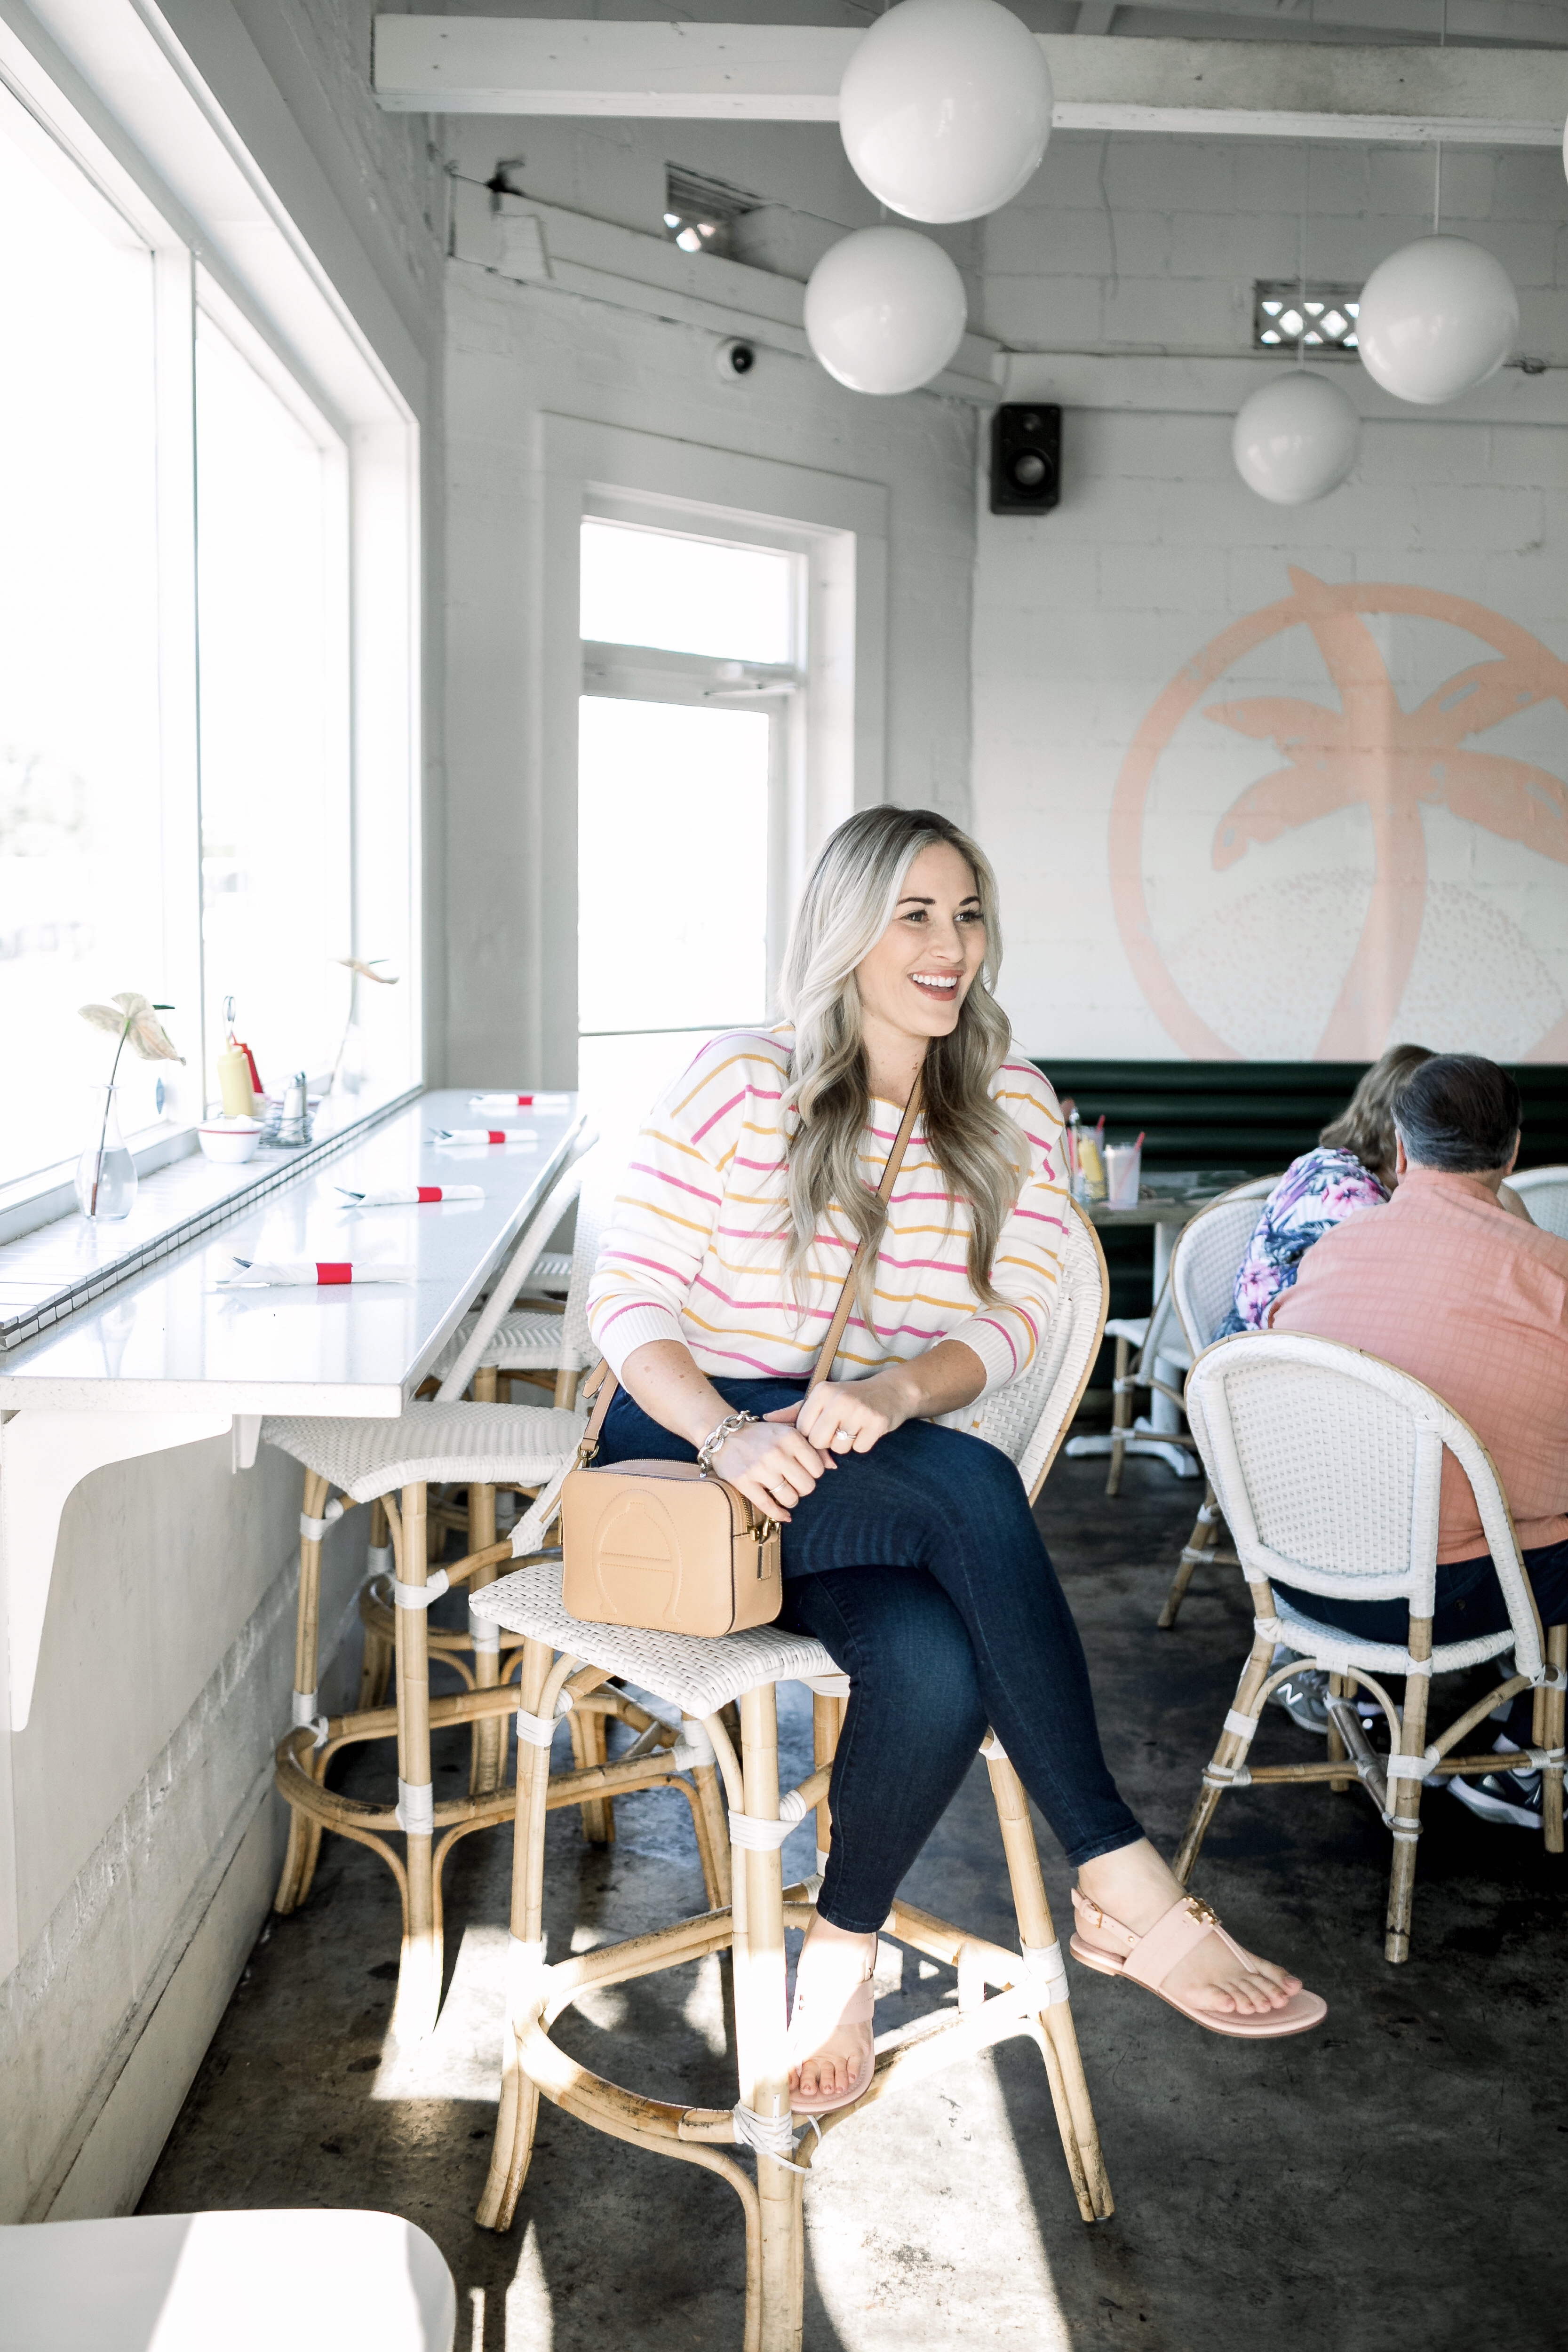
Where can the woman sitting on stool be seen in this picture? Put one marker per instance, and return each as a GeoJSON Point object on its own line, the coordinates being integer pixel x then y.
{"type": "Point", "coordinates": [910, 1550]}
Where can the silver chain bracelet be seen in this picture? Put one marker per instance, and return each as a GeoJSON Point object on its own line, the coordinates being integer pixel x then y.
{"type": "Point", "coordinates": [714, 1441]}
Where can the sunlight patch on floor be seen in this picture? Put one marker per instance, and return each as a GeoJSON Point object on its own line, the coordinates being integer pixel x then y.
{"type": "Point", "coordinates": [921, 2226]}
{"type": "Point", "coordinates": [461, 2059]}
{"type": "Point", "coordinates": [530, 2325]}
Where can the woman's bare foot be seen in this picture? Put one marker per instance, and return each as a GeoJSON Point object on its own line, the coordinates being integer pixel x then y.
{"type": "Point", "coordinates": [1135, 1886]}
{"type": "Point", "coordinates": [832, 1963]}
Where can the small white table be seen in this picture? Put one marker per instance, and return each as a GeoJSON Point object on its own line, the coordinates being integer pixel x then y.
{"type": "Point", "coordinates": [1167, 1212]}
{"type": "Point", "coordinates": [169, 1356]}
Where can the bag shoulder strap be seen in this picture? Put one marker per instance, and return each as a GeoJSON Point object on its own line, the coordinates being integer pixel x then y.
{"type": "Point", "coordinates": [602, 1384]}
{"type": "Point", "coordinates": [824, 1366]}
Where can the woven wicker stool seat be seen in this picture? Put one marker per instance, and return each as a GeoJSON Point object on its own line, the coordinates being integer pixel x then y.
{"type": "Point", "coordinates": [694, 1673]}
{"type": "Point", "coordinates": [492, 1444]}
{"type": "Point", "coordinates": [1002, 1993]}
{"type": "Point", "coordinates": [526, 1340]}
{"type": "Point", "coordinates": [552, 1271]}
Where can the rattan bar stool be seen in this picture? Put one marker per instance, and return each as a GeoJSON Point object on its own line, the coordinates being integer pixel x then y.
{"type": "Point", "coordinates": [396, 1462]}
{"type": "Point", "coordinates": [1328, 1465]}
{"type": "Point", "coordinates": [563, 1658]}
{"type": "Point", "coordinates": [1029, 1995]}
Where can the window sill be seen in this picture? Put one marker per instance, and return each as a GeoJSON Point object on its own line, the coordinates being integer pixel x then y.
{"type": "Point", "coordinates": [53, 1260]}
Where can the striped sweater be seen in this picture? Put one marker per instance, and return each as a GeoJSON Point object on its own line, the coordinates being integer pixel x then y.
{"type": "Point", "coordinates": [694, 1249]}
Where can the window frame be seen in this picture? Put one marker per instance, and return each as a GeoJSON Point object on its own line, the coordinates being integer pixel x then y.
{"type": "Point", "coordinates": [141, 128]}
{"type": "Point", "coordinates": [838, 524]}
{"type": "Point", "coordinates": [637, 673]}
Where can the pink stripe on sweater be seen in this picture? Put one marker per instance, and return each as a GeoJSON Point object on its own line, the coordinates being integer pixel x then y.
{"type": "Point", "coordinates": [641, 1168]}
{"type": "Point", "coordinates": [995, 1326]}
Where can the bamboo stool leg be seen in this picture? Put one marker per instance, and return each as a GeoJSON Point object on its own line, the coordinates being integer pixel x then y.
{"type": "Point", "coordinates": [1058, 2041]}
{"type": "Point", "coordinates": [419, 1977]}
{"type": "Point", "coordinates": [761, 2030]}
{"type": "Point", "coordinates": [1230, 1753]}
{"type": "Point", "coordinates": [590, 1746]}
{"type": "Point", "coordinates": [304, 1836]}
{"type": "Point", "coordinates": [714, 1840]}
{"type": "Point", "coordinates": [518, 2114]}
{"type": "Point", "coordinates": [1554, 1711]}
{"type": "Point", "coordinates": [376, 1662]}
{"type": "Point", "coordinates": [488, 1765]}
{"type": "Point", "coordinates": [1204, 1539]}
{"type": "Point", "coordinates": [1340, 1687]}
{"type": "Point", "coordinates": [1120, 1414]}
{"type": "Point", "coordinates": [1405, 1798]}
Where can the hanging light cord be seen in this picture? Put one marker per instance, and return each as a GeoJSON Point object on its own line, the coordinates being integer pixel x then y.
{"type": "Point", "coordinates": [1301, 254]}
{"type": "Point", "coordinates": [1438, 166]}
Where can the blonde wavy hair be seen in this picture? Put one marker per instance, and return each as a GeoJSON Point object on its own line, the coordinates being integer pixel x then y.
{"type": "Point", "coordinates": [983, 1154]}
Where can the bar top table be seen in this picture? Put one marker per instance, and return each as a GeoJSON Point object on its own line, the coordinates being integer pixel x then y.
{"type": "Point", "coordinates": [168, 1355]}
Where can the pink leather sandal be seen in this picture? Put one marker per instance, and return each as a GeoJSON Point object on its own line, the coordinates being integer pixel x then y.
{"type": "Point", "coordinates": [858, 2009]}
{"type": "Point", "coordinates": [1148, 1960]}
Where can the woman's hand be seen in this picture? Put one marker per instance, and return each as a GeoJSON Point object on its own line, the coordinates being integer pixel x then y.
{"type": "Point", "coordinates": [773, 1465]}
{"type": "Point", "coordinates": [849, 1416]}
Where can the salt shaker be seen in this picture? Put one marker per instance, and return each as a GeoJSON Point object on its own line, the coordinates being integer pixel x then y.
{"type": "Point", "coordinates": [294, 1127]}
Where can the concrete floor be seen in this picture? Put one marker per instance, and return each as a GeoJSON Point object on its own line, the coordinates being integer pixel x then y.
{"type": "Point", "coordinates": [1391, 2181]}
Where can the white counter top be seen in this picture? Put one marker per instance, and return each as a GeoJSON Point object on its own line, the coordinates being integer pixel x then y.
{"type": "Point", "coordinates": [171, 1341]}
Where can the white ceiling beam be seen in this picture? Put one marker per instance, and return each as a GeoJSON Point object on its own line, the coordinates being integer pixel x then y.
{"type": "Point", "coordinates": [790, 73]}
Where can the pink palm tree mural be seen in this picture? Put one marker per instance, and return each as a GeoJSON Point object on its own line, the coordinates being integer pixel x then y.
{"type": "Point", "coordinates": [1373, 754]}
{"type": "Point", "coordinates": [1368, 752]}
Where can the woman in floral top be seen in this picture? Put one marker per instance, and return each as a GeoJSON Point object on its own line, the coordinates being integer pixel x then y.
{"type": "Point", "coordinates": [1352, 1169]}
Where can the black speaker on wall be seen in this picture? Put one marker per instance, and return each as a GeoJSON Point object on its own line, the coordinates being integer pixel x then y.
{"type": "Point", "coordinates": [1026, 458]}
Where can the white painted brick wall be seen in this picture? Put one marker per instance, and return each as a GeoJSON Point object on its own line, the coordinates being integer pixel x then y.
{"type": "Point", "coordinates": [1084, 617]}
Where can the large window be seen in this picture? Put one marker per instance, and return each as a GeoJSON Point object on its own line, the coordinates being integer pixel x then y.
{"type": "Point", "coordinates": [177, 667]}
{"type": "Point", "coordinates": [689, 727]}
{"type": "Point", "coordinates": [82, 870]}
{"type": "Point", "coordinates": [272, 630]}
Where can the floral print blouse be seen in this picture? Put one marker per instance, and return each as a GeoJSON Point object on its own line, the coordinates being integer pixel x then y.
{"type": "Point", "coordinates": [1320, 1190]}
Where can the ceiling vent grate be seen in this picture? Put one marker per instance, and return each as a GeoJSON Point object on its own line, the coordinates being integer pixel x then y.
{"type": "Point", "coordinates": [698, 211]}
{"type": "Point", "coordinates": [1286, 316]}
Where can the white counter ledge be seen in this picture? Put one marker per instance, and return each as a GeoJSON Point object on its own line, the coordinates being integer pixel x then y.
{"type": "Point", "coordinates": [168, 1357]}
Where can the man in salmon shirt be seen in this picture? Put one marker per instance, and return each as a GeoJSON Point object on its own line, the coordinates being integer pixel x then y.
{"type": "Point", "coordinates": [1442, 1281]}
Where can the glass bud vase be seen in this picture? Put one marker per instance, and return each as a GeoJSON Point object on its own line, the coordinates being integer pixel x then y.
{"type": "Point", "coordinates": [106, 1173]}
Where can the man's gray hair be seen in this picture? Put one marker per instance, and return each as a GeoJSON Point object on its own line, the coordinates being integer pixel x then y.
{"type": "Point", "coordinates": [1458, 1112]}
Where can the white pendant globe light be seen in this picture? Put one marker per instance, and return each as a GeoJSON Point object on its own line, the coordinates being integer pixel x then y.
{"type": "Point", "coordinates": [945, 107]}
{"type": "Point", "coordinates": [1437, 319]}
{"type": "Point", "coordinates": [884, 310]}
{"type": "Point", "coordinates": [1296, 439]}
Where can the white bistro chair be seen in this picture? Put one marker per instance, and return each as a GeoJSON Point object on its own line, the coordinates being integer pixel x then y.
{"type": "Point", "coordinates": [1327, 1462]}
{"type": "Point", "coordinates": [564, 1657]}
{"type": "Point", "coordinates": [1544, 1192]}
{"type": "Point", "coordinates": [1203, 1266]}
{"type": "Point", "coordinates": [248, 2282]}
{"type": "Point", "coordinates": [1157, 1339]}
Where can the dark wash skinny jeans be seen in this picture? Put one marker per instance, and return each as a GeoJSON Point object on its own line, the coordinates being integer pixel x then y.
{"type": "Point", "coordinates": [919, 1568]}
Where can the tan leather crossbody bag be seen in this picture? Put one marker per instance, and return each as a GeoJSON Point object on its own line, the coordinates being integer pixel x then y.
{"type": "Point", "coordinates": [670, 1546]}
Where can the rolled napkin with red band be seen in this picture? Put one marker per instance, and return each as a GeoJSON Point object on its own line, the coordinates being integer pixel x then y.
{"type": "Point", "coordinates": [484, 1135]}
{"type": "Point", "coordinates": [520, 1102]}
{"type": "Point", "coordinates": [304, 1273]}
{"type": "Point", "coordinates": [409, 1196]}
